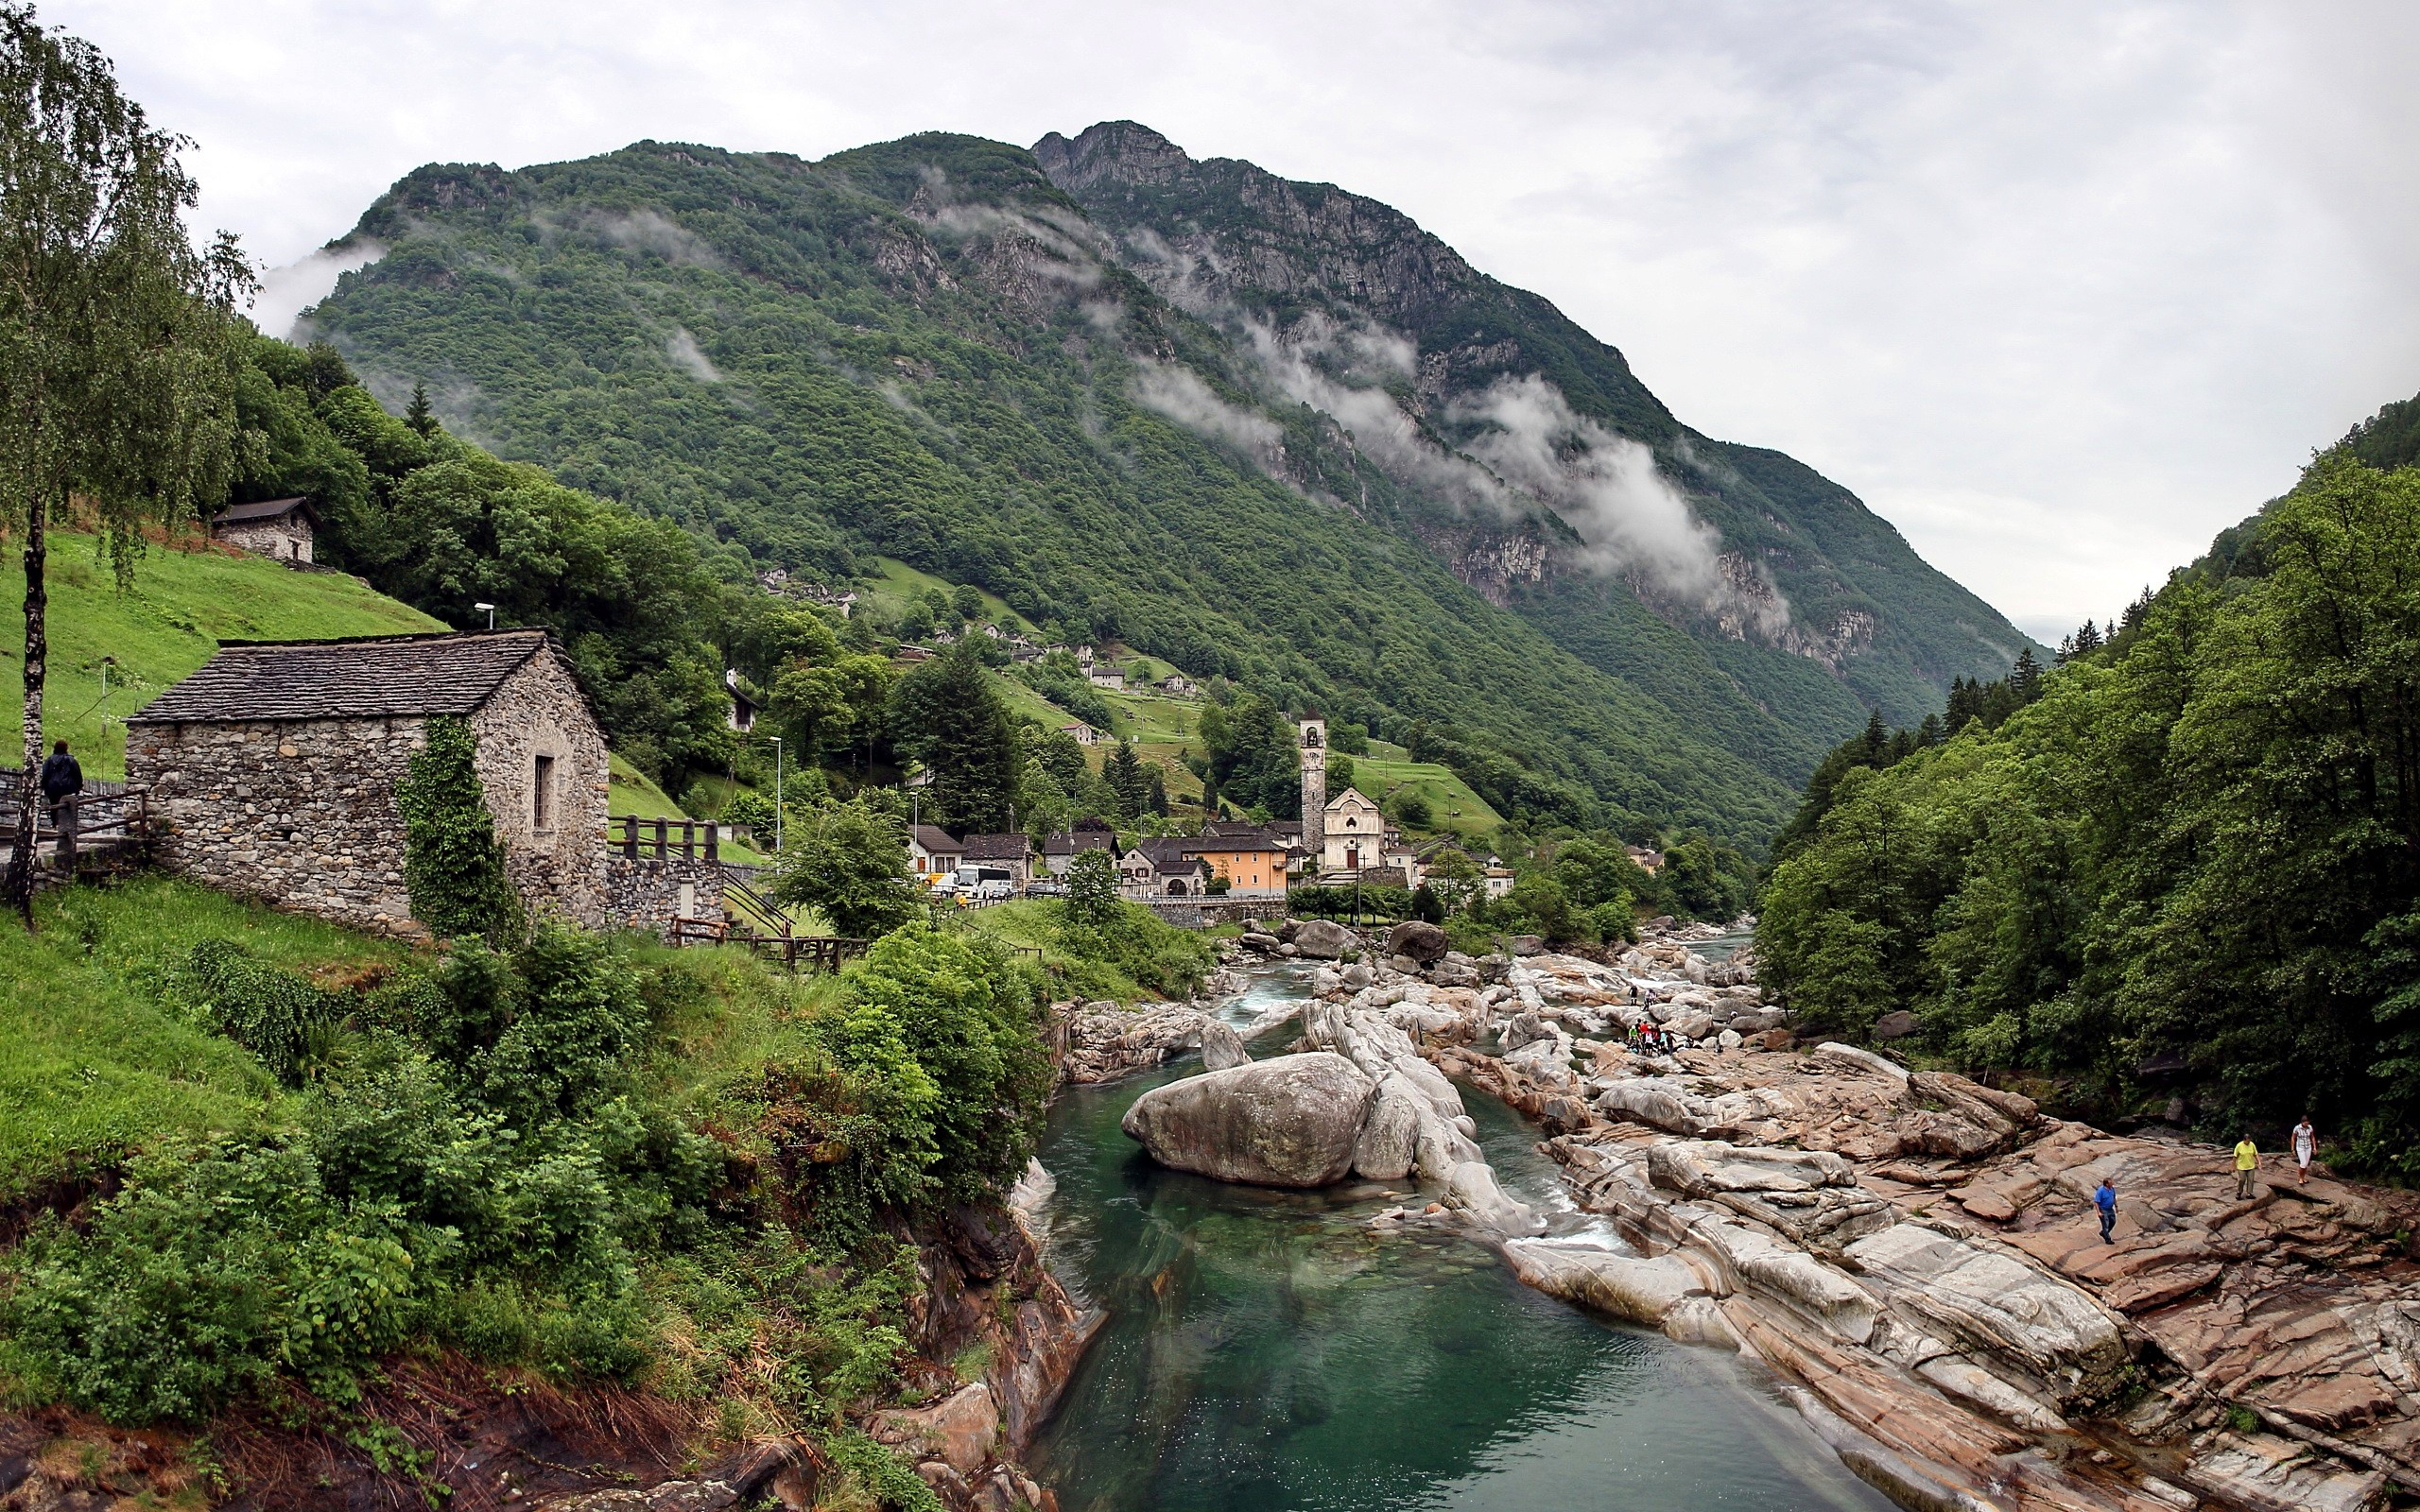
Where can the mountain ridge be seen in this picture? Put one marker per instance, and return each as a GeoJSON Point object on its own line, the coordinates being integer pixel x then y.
{"type": "Point", "coordinates": [928, 348]}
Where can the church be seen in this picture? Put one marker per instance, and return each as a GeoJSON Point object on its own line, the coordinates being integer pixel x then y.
{"type": "Point", "coordinates": [1347, 832]}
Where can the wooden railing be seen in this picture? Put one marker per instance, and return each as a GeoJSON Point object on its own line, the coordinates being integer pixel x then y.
{"type": "Point", "coordinates": [662, 840]}
{"type": "Point", "coordinates": [103, 821]}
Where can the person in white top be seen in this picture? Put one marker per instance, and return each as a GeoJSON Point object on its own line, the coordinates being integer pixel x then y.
{"type": "Point", "coordinates": [2305, 1145]}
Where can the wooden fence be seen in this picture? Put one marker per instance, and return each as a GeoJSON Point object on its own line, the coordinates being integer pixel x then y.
{"type": "Point", "coordinates": [662, 840]}
{"type": "Point", "coordinates": [102, 823]}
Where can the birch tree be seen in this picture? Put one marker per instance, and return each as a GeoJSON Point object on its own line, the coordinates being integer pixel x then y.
{"type": "Point", "coordinates": [116, 378]}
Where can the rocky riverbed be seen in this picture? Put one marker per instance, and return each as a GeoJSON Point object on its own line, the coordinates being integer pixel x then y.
{"type": "Point", "coordinates": [1912, 1255]}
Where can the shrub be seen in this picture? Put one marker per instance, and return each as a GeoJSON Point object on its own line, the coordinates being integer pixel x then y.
{"type": "Point", "coordinates": [1092, 888]}
{"type": "Point", "coordinates": [850, 862]}
{"type": "Point", "coordinates": [277, 1015]}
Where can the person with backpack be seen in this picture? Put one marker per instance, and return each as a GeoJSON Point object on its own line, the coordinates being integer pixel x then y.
{"type": "Point", "coordinates": [61, 780]}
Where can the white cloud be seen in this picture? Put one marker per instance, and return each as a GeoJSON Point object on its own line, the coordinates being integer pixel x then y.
{"type": "Point", "coordinates": [686, 356]}
{"type": "Point", "coordinates": [2022, 276]}
{"type": "Point", "coordinates": [1182, 396]}
{"type": "Point", "coordinates": [287, 292]}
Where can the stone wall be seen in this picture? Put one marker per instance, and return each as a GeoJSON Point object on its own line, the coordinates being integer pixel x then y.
{"type": "Point", "coordinates": [287, 539]}
{"type": "Point", "coordinates": [554, 852]}
{"type": "Point", "coordinates": [300, 814]}
{"type": "Point", "coordinates": [647, 894]}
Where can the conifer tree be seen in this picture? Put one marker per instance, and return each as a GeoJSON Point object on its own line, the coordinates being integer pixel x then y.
{"type": "Point", "coordinates": [418, 415]}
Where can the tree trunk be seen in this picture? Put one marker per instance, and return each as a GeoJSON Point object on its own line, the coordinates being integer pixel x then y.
{"type": "Point", "coordinates": [20, 884]}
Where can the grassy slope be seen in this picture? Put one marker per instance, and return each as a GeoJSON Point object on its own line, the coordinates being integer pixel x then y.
{"type": "Point", "coordinates": [92, 1066]}
{"type": "Point", "coordinates": [182, 605]}
{"type": "Point", "coordinates": [1456, 808]}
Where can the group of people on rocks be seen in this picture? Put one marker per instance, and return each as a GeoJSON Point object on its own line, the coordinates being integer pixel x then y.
{"type": "Point", "coordinates": [2304, 1142]}
{"type": "Point", "coordinates": [1648, 1038]}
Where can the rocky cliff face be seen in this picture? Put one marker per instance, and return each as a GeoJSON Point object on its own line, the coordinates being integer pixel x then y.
{"type": "Point", "coordinates": [1349, 306]}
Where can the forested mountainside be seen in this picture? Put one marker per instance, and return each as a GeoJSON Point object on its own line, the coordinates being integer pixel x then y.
{"type": "Point", "coordinates": [2176, 872]}
{"type": "Point", "coordinates": [929, 349]}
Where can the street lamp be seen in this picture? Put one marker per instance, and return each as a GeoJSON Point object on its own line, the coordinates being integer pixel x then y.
{"type": "Point", "coordinates": [491, 613]}
{"type": "Point", "coordinates": [778, 815]}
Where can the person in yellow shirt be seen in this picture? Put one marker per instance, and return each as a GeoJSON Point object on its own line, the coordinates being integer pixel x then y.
{"type": "Point", "coordinates": [2247, 1160]}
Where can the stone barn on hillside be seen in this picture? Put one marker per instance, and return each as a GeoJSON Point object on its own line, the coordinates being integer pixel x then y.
{"type": "Point", "coordinates": [272, 769]}
{"type": "Point", "coordinates": [281, 528]}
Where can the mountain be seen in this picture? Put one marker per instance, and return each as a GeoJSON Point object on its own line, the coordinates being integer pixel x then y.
{"type": "Point", "coordinates": [1260, 429]}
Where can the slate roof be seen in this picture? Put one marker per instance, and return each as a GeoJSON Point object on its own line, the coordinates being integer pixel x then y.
{"type": "Point", "coordinates": [265, 509]}
{"type": "Point", "coordinates": [1230, 835]}
{"type": "Point", "coordinates": [1170, 853]}
{"type": "Point", "coordinates": [1088, 835]}
{"type": "Point", "coordinates": [997, 847]}
{"type": "Point", "coordinates": [364, 677]}
{"type": "Point", "coordinates": [936, 840]}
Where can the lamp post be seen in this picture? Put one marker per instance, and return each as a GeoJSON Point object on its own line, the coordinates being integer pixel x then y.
{"type": "Point", "coordinates": [489, 609]}
{"type": "Point", "coordinates": [778, 815]}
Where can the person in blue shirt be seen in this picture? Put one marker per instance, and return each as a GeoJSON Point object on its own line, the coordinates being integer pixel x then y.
{"type": "Point", "coordinates": [2105, 1199]}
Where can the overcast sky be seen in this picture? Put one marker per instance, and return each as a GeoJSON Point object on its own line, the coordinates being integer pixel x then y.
{"type": "Point", "coordinates": [2059, 289]}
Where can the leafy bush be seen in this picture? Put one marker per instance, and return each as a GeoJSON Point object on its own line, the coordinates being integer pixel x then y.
{"type": "Point", "coordinates": [850, 861]}
{"type": "Point", "coordinates": [453, 864]}
{"type": "Point", "coordinates": [277, 1015]}
{"type": "Point", "coordinates": [1092, 889]}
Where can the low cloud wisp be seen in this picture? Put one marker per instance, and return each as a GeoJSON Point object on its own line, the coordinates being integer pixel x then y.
{"type": "Point", "coordinates": [287, 292]}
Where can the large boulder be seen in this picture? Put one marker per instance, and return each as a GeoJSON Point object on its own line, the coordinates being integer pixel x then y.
{"type": "Point", "coordinates": [1222, 1049]}
{"type": "Point", "coordinates": [1388, 1145]}
{"type": "Point", "coordinates": [1526, 945]}
{"type": "Point", "coordinates": [1322, 939]}
{"type": "Point", "coordinates": [1291, 1122]}
{"type": "Point", "coordinates": [1424, 942]}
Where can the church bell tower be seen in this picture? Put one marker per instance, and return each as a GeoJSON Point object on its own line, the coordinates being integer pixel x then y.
{"type": "Point", "coordinates": [1314, 737]}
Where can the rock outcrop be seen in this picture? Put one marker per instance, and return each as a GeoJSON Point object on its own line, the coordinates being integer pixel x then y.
{"type": "Point", "coordinates": [1914, 1256]}
{"type": "Point", "coordinates": [1291, 1122]}
{"type": "Point", "coordinates": [1105, 1040]}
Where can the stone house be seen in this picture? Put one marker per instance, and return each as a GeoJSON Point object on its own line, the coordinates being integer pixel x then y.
{"type": "Point", "coordinates": [1059, 850]}
{"type": "Point", "coordinates": [279, 528]}
{"type": "Point", "coordinates": [1163, 867]}
{"type": "Point", "coordinates": [1083, 735]}
{"type": "Point", "coordinates": [1011, 853]}
{"type": "Point", "coordinates": [1106, 675]}
{"type": "Point", "coordinates": [272, 769]}
{"type": "Point", "coordinates": [1650, 860]}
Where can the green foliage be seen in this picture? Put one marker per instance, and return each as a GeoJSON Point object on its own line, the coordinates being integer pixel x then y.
{"type": "Point", "coordinates": [453, 863]}
{"type": "Point", "coordinates": [754, 812]}
{"type": "Point", "coordinates": [1092, 888]}
{"type": "Point", "coordinates": [441, 524]}
{"type": "Point", "coordinates": [947, 714]}
{"type": "Point", "coordinates": [277, 1015]}
{"type": "Point", "coordinates": [2197, 841]}
{"type": "Point", "coordinates": [1340, 771]}
{"type": "Point", "coordinates": [929, 1090]}
{"type": "Point", "coordinates": [1254, 759]}
{"type": "Point", "coordinates": [849, 860]}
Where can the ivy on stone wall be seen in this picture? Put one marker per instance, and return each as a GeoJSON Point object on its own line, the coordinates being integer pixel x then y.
{"type": "Point", "coordinates": [453, 863]}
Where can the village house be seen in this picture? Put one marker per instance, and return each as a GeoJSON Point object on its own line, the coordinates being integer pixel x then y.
{"type": "Point", "coordinates": [1012, 855]}
{"type": "Point", "coordinates": [1059, 850]}
{"type": "Point", "coordinates": [272, 769]}
{"type": "Point", "coordinates": [913, 653]}
{"type": "Point", "coordinates": [933, 853]}
{"type": "Point", "coordinates": [741, 716]}
{"type": "Point", "coordinates": [1106, 675]}
{"type": "Point", "coordinates": [1177, 685]}
{"type": "Point", "coordinates": [281, 528]}
{"type": "Point", "coordinates": [1163, 867]}
{"type": "Point", "coordinates": [1083, 734]}
{"type": "Point", "coordinates": [1248, 855]}
{"type": "Point", "coordinates": [1650, 861]}
{"type": "Point", "coordinates": [1499, 883]}
{"type": "Point", "coordinates": [1357, 832]}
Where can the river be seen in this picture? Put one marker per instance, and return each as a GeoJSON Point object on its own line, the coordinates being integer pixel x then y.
{"type": "Point", "coordinates": [1265, 1351]}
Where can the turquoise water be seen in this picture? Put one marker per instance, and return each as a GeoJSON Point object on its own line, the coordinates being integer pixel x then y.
{"type": "Point", "coordinates": [1265, 1351]}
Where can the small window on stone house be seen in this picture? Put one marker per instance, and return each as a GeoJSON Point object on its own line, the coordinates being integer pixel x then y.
{"type": "Point", "coordinates": [541, 794]}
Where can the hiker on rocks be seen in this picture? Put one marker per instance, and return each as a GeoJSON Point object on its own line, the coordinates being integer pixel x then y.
{"type": "Point", "coordinates": [62, 779]}
{"type": "Point", "coordinates": [2104, 1196]}
{"type": "Point", "coordinates": [2305, 1145]}
{"type": "Point", "coordinates": [2247, 1160]}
